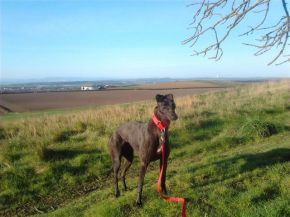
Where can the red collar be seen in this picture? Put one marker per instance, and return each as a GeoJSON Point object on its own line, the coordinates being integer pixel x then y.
{"type": "Point", "coordinates": [161, 125]}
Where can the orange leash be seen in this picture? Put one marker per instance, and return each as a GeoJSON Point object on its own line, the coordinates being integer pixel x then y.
{"type": "Point", "coordinates": [165, 197]}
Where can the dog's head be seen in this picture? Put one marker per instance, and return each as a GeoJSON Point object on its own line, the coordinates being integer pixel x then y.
{"type": "Point", "coordinates": [166, 107]}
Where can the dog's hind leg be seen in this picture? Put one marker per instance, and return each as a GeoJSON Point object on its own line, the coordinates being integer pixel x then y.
{"type": "Point", "coordinates": [115, 152]}
{"type": "Point", "coordinates": [116, 167]}
{"type": "Point", "coordinates": [127, 152]}
{"type": "Point", "coordinates": [127, 165]}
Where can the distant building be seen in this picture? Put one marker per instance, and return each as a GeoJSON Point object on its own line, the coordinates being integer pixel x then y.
{"type": "Point", "coordinates": [93, 87]}
{"type": "Point", "coordinates": [87, 87]}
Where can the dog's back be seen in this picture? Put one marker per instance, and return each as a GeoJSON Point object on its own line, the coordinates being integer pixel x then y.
{"type": "Point", "coordinates": [133, 133]}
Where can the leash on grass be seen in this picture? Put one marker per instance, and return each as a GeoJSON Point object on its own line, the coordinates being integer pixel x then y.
{"type": "Point", "coordinates": [182, 200]}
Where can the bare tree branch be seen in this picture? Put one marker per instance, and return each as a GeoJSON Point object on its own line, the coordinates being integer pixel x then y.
{"type": "Point", "coordinates": [226, 15]}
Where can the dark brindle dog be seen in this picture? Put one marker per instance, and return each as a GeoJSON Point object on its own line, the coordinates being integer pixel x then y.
{"type": "Point", "coordinates": [144, 139]}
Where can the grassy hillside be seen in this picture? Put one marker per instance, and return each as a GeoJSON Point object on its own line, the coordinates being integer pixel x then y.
{"type": "Point", "coordinates": [230, 157]}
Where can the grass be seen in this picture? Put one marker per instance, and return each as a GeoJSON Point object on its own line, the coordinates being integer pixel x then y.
{"type": "Point", "coordinates": [230, 157]}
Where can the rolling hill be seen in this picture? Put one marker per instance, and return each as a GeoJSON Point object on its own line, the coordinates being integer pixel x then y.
{"type": "Point", "coordinates": [230, 157]}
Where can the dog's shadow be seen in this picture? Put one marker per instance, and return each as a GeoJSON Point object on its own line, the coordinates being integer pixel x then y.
{"type": "Point", "coordinates": [245, 163]}
{"type": "Point", "coordinates": [52, 154]}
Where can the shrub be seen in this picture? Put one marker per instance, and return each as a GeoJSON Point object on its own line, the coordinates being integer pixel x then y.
{"type": "Point", "coordinates": [257, 128]}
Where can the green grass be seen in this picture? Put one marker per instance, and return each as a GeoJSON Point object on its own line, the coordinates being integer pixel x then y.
{"type": "Point", "coordinates": [230, 156]}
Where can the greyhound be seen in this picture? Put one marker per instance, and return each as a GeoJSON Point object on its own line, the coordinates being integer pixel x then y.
{"type": "Point", "coordinates": [143, 139]}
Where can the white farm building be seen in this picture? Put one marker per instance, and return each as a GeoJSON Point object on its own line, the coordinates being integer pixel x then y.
{"type": "Point", "coordinates": [93, 87]}
{"type": "Point", "coordinates": [85, 87]}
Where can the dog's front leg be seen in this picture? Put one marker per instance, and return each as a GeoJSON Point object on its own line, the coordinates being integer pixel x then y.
{"type": "Point", "coordinates": [163, 178]}
{"type": "Point", "coordinates": [164, 164]}
{"type": "Point", "coordinates": [143, 169]}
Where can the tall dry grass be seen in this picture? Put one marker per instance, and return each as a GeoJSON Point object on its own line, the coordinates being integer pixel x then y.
{"type": "Point", "coordinates": [110, 117]}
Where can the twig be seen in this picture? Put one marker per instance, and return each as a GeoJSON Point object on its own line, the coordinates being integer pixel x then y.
{"type": "Point", "coordinates": [275, 36]}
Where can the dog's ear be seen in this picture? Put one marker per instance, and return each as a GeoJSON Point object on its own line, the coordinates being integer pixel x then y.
{"type": "Point", "coordinates": [169, 96]}
{"type": "Point", "coordinates": [159, 98]}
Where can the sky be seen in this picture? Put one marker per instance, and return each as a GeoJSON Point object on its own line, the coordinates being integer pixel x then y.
{"type": "Point", "coordinates": [117, 39]}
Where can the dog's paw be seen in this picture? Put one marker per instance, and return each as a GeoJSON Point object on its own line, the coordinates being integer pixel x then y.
{"type": "Point", "coordinates": [164, 191]}
{"type": "Point", "coordinates": [117, 194]}
{"type": "Point", "coordinates": [125, 187]}
{"type": "Point", "coordinates": [138, 203]}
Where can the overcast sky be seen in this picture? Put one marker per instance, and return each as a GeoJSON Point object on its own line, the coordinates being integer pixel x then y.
{"type": "Point", "coordinates": [117, 39]}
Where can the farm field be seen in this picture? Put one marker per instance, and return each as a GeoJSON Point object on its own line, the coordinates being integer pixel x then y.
{"type": "Point", "coordinates": [23, 102]}
{"type": "Point", "coordinates": [190, 84]}
{"type": "Point", "coordinates": [230, 156]}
